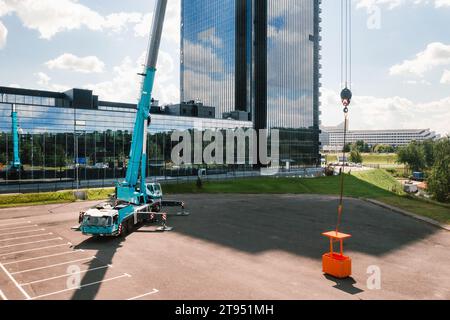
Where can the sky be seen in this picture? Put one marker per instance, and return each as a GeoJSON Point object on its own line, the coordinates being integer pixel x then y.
{"type": "Point", "coordinates": [401, 55]}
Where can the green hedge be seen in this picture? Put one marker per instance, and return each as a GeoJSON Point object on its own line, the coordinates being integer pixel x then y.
{"type": "Point", "coordinates": [17, 200]}
{"type": "Point", "coordinates": [36, 198]}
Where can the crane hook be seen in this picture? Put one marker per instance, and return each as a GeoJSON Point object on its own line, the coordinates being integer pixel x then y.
{"type": "Point", "coordinates": [346, 97]}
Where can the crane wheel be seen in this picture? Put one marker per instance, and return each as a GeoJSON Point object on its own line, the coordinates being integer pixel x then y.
{"type": "Point", "coordinates": [130, 225]}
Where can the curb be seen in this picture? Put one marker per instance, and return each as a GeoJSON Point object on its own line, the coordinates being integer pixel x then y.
{"type": "Point", "coordinates": [410, 214]}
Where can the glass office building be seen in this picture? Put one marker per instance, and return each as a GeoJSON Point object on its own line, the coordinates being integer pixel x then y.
{"type": "Point", "coordinates": [266, 62]}
{"type": "Point", "coordinates": [62, 131]}
{"type": "Point", "coordinates": [207, 53]}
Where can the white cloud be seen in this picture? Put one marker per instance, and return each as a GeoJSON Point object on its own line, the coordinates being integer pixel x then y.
{"type": "Point", "coordinates": [368, 112]}
{"type": "Point", "coordinates": [171, 30]}
{"type": "Point", "coordinates": [3, 35]}
{"type": "Point", "coordinates": [117, 22]}
{"type": "Point", "coordinates": [209, 37]}
{"type": "Point", "coordinates": [43, 79]}
{"type": "Point", "coordinates": [67, 61]}
{"type": "Point", "coordinates": [142, 28]}
{"type": "Point", "coordinates": [393, 4]}
{"type": "Point", "coordinates": [125, 83]}
{"type": "Point", "coordinates": [435, 55]}
{"type": "Point", "coordinates": [446, 77]}
{"type": "Point", "coordinates": [50, 17]}
{"type": "Point", "coordinates": [442, 3]}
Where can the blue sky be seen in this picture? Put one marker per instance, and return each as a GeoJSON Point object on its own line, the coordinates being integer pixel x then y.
{"type": "Point", "coordinates": [401, 67]}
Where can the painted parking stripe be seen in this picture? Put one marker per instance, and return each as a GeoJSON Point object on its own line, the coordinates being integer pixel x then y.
{"type": "Point", "coordinates": [27, 296]}
{"type": "Point", "coordinates": [13, 224]}
{"type": "Point", "coordinates": [52, 265]}
{"type": "Point", "coordinates": [2, 295]}
{"type": "Point", "coordinates": [19, 238]}
{"type": "Point", "coordinates": [33, 242]}
{"type": "Point", "coordinates": [19, 232]}
{"type": "Point", "coordinates": [35, 249]}
{"type": "Point", "coordinates": [80, 287]}
{"type": "Point", "coordinates": [17, 228]}
{"type": "Point", "coordinates": [145, 295]}
{"type": "Point", "coordinates": [64, 275]}
{"type": "Point", "coordinates": [12, 219]}
{"type": "Point", "coordinates": [43, 257]}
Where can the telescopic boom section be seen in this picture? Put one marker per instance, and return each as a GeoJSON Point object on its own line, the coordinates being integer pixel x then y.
{"type": "Point", "coordinates": [128, 190]}
{"type": "Point", "coordinates": [15, 133]}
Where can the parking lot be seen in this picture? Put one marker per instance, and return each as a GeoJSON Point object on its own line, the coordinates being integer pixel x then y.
{"type": "Point", "coordinates": [231, 247]}
{"type": "Point", "coordinates": [38, 264]}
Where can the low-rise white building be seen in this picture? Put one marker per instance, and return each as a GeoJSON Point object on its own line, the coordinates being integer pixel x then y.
{"type": "Point", "coordinates": [332, 138]}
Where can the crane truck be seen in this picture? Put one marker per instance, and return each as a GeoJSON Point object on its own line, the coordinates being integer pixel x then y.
{"type": "Point", "coordinates": [134, 200]}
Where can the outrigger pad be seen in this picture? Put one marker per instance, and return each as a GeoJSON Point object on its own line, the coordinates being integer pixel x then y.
{"type": "Point", "coordinates": [164, 228]}
{"type": "Point", "coordinates": [170, 203]}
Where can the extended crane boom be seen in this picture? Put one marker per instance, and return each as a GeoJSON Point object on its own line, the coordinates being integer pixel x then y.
{"type": "Point", "coordinates": [128, 190]}
{"type": "Point", "coordinates": [135, 201]}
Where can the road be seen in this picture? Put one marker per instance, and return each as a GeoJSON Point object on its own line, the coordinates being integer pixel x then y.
{"type": "Point", "coordinates": [230, 247]}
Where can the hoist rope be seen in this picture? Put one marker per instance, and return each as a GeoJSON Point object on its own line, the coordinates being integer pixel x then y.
{"type": "Point", "coordinates": [346, 82]}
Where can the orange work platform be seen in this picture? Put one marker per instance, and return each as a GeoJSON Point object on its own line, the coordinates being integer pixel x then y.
{"type": "Point", "coordinates": [336, 264]}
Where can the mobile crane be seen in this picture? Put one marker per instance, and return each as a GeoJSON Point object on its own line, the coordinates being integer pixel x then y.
{"type": "Point", "coordinates": [15, 167]}
{"type": "Point", "coordinates": [134, 200]}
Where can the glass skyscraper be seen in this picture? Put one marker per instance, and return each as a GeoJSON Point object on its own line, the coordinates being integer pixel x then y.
{"type": "Point", "coordinates": [260, 57]}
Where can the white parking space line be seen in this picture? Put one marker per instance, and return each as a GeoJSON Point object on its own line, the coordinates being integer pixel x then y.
{"type": "Point", "coordinates": [145, 295]}
{"type": "Point", "coordinates": [52, 266]}
{"type": "Point", "coordinates": [27, 296]}
{"type": "Point", "coordinates": [17, 228]}
{"type": "Point", "coordinates": [63, 276]}
{"type": "Point", "coordinates": [80, 287]}
{"type": "Point", "coordinates": [36, 249]}
{"type": "Point", "coordinates": [33, 242]}
{"type": "Point", "coordinates": [19, 238]}
{"type": "Point", "coordinates": [43, 257]}
{"type": "Point", "coordinates": [18, 232]}
{"type": "Point", "coordinates": [13, 224]}
{"type": "Point", "coordinates": [12, 219]}
{"type": "Point", "coordinates": [2, 295]}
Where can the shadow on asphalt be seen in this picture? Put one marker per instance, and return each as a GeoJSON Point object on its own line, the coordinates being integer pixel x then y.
{"type": "Point", "coordinates": [295, 223]}
{"type": "Point", "coordinates": [290, 223]}
{"type": "Point", "coordinates": [106, 249]}
{"type": "Point", "coordinates": [346, 285]}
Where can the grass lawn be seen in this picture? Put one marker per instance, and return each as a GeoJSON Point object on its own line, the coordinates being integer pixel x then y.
{"type": "Point", "coordinates": [34, 199]}
{"type": "Point", "coordinates": [375, 184]}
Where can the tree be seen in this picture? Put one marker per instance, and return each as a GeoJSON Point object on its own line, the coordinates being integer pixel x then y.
{"type": "Point", "coordinates": [347, 147]}
{"type": "Point", "coordinates": [429, 151]}
{"type": "Point", "coordinates": [361, 146]}
{"type": "Point", "coordinates": [439, 180]}
{"type": "Point", "coordinates": [355, 156]}
{"type": "Point", "coordinates": [412, 155]}
{"type": "Point", "coordinates": [383, 148]}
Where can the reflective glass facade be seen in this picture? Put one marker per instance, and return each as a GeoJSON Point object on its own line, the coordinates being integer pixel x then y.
{"type": "Point", "coordinates": [53, 139]}
{"type": "Point", "coordinates": [271, 52]}
{"type": "Point", "coordinates": [208, 53]}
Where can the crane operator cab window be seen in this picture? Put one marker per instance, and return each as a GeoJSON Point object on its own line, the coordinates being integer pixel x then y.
{"type": "Point", "coordinates": [104, 221]}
